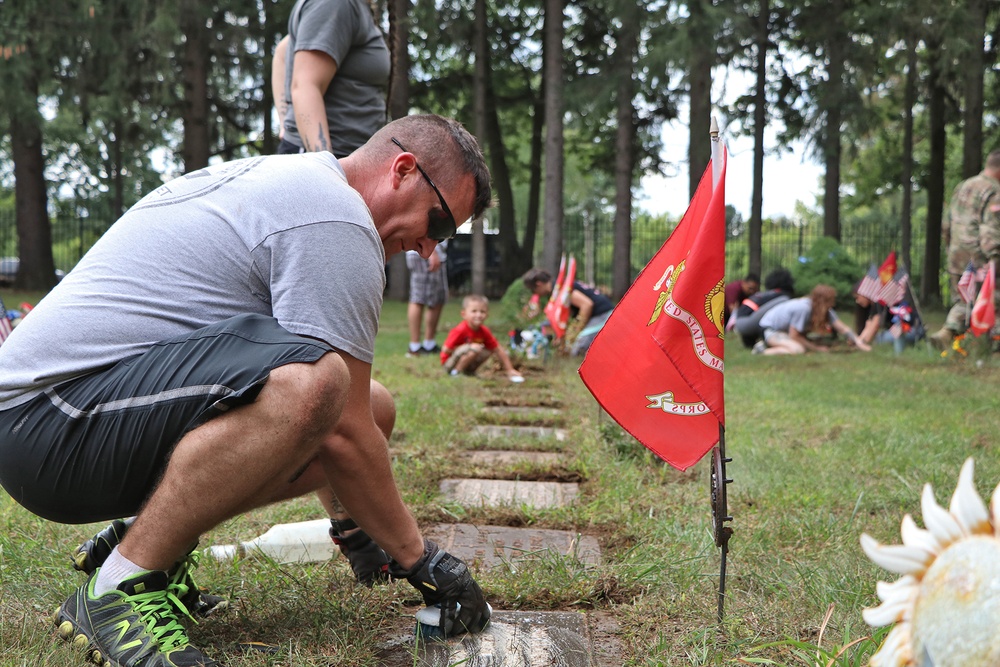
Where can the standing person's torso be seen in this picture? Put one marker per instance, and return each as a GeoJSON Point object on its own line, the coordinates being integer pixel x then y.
{"type": "Point", "coordinates": [355, 99]}
{"type": "Point", "coordinates": [969, 203]}
{"type": "Point", "coordinates": [215, 243]}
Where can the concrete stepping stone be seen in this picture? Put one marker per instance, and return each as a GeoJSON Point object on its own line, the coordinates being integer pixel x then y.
{"type": "Point", "coordinates": [485, 547]}
{"type": "Point", "coordinates": [519, 432]}
{"type": "Point", "coordinates": [495, 457]}
{"type": "Point", "coordinates": [498, 492]}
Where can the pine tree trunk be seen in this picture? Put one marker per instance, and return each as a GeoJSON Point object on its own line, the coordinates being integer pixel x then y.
{"type": "Point", "coordinates": [621, 263]}
{"type": "Point", "coordinates": [399, 106]}
{"type": "Point", "coordinates": [552, 246]}
{"type": "Point", "coordinates": [702, 58]}
{"type": "Point", "coordinates": [906, 169]}
{"type": "Point", "coordinates": [34, 232]}
{"type": "Point", "coordinates": [194, 75]}
{"type": "Point", "coordinates": [930, 290]}
{"type": "Point", "coordinates": [972, 114]}
{"type": "Point", "coordinates": [755, 232]}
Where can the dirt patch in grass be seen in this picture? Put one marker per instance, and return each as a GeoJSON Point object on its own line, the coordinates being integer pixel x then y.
{"type": "Point", "coordinates": [558, 474]}
{"type": "Point", "coordinates": [521, 420]}
{"type": "Point", "coordinates": [523, 402]}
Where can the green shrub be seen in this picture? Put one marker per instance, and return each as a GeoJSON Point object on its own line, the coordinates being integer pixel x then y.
{"type": "Point", "coordinates": [827, 263]}
{"type": "Point", "coordinates": [509, 312]}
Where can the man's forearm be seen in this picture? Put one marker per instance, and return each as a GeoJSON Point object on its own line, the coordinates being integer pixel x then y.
{"type": "Point", "coordinates": [361, 477]}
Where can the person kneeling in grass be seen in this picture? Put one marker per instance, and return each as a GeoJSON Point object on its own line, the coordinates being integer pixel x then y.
{"type": "Point", "coordinates": [786, 325]}
{"type": "Point", "coordinates": [471, 343]}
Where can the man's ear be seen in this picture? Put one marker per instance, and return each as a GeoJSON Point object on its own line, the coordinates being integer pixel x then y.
{"type": "Point", "coordinates": [403, 165]}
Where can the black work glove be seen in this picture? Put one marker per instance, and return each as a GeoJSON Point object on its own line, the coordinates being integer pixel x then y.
{"type": "Point", "coordinates": [369, 562]}
{"type": "Point", "coordinates": [446, 581]}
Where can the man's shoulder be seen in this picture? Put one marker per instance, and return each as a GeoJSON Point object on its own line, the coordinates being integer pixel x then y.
{"type": "Point", "coordinates": [979, 185]}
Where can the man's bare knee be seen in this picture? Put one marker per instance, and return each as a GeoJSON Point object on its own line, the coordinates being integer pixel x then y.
{"type": "Point", "coordinates": [317, 391]}
{"type": "Point", "coordinates": [383, 408]}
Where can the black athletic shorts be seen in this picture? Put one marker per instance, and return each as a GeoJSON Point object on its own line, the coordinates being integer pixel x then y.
{"type": "Point", "coordinates": [93, 448]}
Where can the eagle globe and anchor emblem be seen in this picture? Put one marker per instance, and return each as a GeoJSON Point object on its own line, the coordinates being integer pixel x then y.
{"type": "Point", "coordinates": [714, 306]}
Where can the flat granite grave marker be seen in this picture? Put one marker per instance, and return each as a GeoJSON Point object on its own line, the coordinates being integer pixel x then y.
{"type": "Point", "coordinates": [521, 411]}
{"type": "Point", "coordinates": [499, 492]}
{"type": "Point", "coordinates": [493, 457]}
{"type": "Point", "coordinates": [484, 547]}
{"type": "Point", "coordinates": [519, 432]}
{"type": "Point", "coordinates": [518, 639]}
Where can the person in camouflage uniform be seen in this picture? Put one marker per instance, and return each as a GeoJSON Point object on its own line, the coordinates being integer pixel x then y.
{"type": "Point", "coordinates": [972, 233]}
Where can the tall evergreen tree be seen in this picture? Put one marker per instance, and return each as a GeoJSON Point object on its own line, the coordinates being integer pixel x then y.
{"type": "Point", "coordinates": [552, 246]}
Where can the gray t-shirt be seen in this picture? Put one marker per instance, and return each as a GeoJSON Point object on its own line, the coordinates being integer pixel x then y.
{"type": "Point", "coordinates": [279, 235]}
{"type": "Point", "coordinates": [355, 98]}
{"type": "Point", "coordinates": [792, 313]}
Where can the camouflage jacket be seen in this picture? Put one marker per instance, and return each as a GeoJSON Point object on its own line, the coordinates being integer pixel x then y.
{"type": "Point", "coordinates": [973, 228]}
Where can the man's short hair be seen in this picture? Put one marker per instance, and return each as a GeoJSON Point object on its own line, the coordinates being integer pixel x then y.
{"type": "Point", "coordinates": [993, 160]}
{"type": "Point", "coordinates": [439, 144]}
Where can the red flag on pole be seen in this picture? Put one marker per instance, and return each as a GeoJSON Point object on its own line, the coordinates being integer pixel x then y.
{"type": "Point", "coordinates": [984, 315]}
{"type": "Point", "coordinates": [557, 309]}
{"type": "Point", "coordinates": [887, 271]}
{"type": "Point", "coordinates": [657, 365]}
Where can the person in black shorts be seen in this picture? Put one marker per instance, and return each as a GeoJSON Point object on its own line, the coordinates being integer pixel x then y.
{"type": "Point", "coordinates": [212, 354]}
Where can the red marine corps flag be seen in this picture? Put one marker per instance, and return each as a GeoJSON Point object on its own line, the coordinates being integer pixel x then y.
{"type": "Point", "coordinates": [984, 316]}
{"type": "Point", "coordinates": [657, 365]}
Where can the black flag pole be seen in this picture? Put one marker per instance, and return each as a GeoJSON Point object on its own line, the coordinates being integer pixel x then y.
{"type": "Point", "coordinates": [720, 510]}
{"type": "Point", "coordinates": [720, 507]}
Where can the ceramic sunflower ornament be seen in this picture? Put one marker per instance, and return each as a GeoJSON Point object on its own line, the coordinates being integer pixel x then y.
{"type": "Point", "coordinates": [946, 604]}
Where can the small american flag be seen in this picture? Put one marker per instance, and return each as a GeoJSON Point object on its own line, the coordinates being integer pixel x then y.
{"type": "Point", "coordinates": [892, 292]}
{"type": "Point", "coordinates": [889, 293]}
{"type": "Point", "coordinates": [870, 284]}
{"type": "Point", "coordinates": [967, 283]}
{"type": "Point", "coordinates": [5, 326]}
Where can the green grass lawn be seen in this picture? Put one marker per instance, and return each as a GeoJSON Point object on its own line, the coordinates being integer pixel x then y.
{"type": "Point", "coordinates": [824, 447]}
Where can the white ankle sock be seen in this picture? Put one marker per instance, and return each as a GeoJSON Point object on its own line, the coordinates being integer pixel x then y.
{"type": "Point", "coordinates": [414, 347]}
{"type": "Point", "coordinates": [115, 570]}
{"type": "Point", "coordinates": [429, 344]}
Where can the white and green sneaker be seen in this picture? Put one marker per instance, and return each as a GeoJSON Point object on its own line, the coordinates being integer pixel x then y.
{"type": "Point", "coordinates": [91, 555]}
{"type": "Point", "coordinates": [135, 624]}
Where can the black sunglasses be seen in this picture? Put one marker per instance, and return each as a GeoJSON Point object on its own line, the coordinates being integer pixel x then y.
{"type": "Point", "coordinates": [440, 223]}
